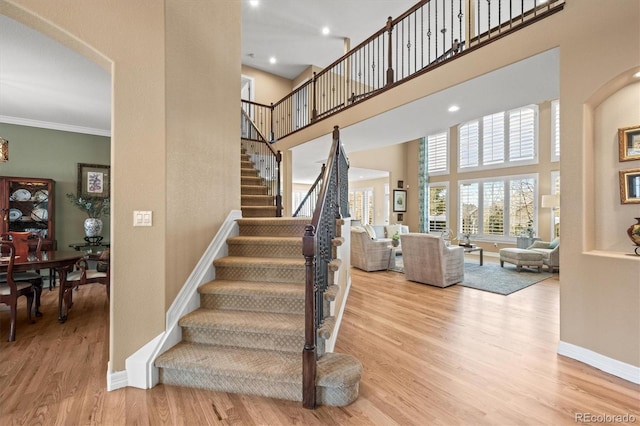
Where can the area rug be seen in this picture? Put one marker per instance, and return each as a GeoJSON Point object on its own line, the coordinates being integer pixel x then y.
{"type": "Point", "coordinates": [492, 278]}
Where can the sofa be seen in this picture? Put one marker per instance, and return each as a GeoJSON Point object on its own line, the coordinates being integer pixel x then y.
{"type": "Point", "coordinates": [550, 252]}
{"type": "Point", "coordinates": [370, 246]}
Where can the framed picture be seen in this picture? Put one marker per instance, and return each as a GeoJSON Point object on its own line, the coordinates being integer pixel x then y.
{"type": "Point", "coordinates": [630, 186]}
{"type": "Point", "coordinates": [629, 143]}
{"type": "Point", "coordinates": [400, 184]}
{"type": "Point", "coordinates": [93, 180]}
{"type": "Point", "coordinates": [399, 200]}
{"type": "Point", "coordinates": [400, 217]}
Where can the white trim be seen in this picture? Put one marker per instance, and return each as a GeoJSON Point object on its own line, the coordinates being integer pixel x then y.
{"type": "Point", "coordinates": [344, 279]}
{"type": "Point", "coordinates": [140, 369]}
{"type": "Point", "coordinates": [117, 379]}
{"type": "Point", "coordinates": [54, 126]}
{"type": "Point", "coordinates": [601, 362]}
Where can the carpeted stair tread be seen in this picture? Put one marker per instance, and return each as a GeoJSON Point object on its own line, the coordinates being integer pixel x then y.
{"type": "Point", "coordinates": [261, 262]}
{"type": "Point", "coordinates": [333, 369]}
{"type": "Point", "coordinates": [243, 321]}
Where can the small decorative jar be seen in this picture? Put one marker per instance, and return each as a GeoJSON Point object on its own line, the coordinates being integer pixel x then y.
{"type": "Point", "coordinates": [92, 227]}
{"type": "Point", "coordinates": [634, 234]}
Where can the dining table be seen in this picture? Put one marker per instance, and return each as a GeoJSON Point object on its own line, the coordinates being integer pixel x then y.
{"type": "Point", "coordinates": [61, 261]}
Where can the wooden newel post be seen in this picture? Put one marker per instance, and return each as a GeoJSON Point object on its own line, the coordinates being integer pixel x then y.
{"type": "Point", "coordinates": [390, 53]}
{"type": "Point", "coordinates": [309, 354]}
{"type": "Point", "coordinates": [279, 185]}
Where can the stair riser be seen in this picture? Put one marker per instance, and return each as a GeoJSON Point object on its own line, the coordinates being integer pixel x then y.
{"type": "Point", "coordinates": [266, 211]}
{"type": "Point", "coordinates": [257, 200]}
{"type": "Point", "coordinates": [266, 250]}
{"type": "Point", "coordinates": [332, 396]}
{"type": "Point", "coordinates": [254, 190]}
{"type": "Point", "coordinates": [285, 230]}
{"type": "Point", "coordinates": [240, 339]}
{"type": "Point", "coordinates": [250, 180]}
{"type": "Point", "coordinates": [252, 303]}
{"type": "Point", "coordinates": [219, 383]}
{"type": "Point", "coordinates": [259, 273]}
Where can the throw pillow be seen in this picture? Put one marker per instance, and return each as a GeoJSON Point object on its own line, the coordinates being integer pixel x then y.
{"type": "Point", "coordinates": [370, 231]}
{"type": "Point", "coordinates": [392, 229]}
{"type": "Point", "coordinates": [358, 228]}
{"type": "Point", "coordinates": [553, 244]}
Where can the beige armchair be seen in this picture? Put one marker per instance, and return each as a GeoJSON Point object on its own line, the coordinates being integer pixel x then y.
{"type": "Point", "coordinates": [368, 254]}
{"type": "Point", "coordinates": [428, 260]}
{"type": "Point", "coordinates": [550, 252]}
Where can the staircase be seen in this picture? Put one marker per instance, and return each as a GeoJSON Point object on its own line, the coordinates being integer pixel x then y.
{"type": "Point", "coordinates": [255, 200]}
{"type": "Point", "coordinates": [248, 334]}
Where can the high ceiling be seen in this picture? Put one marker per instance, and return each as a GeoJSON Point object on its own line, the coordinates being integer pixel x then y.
{"type": "Point", "coordinates": [45, 84]}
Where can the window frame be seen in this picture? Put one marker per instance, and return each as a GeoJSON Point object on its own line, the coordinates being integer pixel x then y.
{"type": "Point", "coordinates": [555, 130]}
{"type": "Point", "coordinates": [506, 179]}
{"type": "Point", "coordinates": [447, 203]}
{"type": "Point", "coordinates": [506, 162]}
{"type": "Point", "coordinates": [447, 147]}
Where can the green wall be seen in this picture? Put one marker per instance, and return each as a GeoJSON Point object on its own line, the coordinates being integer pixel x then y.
{"type": "Point", "coordinates": [55, 154]}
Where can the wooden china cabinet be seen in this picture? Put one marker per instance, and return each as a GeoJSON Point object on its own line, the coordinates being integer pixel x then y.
{"type": "Point", "coordinates": [27, 205]}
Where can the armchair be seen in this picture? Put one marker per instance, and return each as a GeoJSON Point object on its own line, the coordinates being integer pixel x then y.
{"type": "Point", "coordinates": [428, 260]}
{"type": "Point", "coordinates": [550, 252]}
{"type": "Point", "coordinates": [367, 254]}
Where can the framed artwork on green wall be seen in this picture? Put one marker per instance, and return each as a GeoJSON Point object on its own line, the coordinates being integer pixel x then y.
{"type": "Point", "coordinates": [93, 180]}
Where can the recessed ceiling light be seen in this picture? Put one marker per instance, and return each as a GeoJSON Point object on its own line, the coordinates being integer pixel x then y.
{"type": "Point", "coordinates": [453, 108]}
{"type": "Point", "coordinates": [637, 75]}
{"type": "Point", "coordinates": [325, 31]}
{"type": "Point", "coordinates": [254, 3]}
{"type": "Point", "coordinates": [272, 60]}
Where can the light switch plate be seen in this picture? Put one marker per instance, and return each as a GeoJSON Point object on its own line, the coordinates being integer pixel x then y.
{"type": "Point", "coordinates": [142, 218]}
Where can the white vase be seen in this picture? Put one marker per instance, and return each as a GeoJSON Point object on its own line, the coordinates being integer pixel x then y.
{"type": "Point", "coordinates": [92, 227]}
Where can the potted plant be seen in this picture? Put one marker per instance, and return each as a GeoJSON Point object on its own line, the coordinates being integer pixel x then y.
{"type": "Point", "coordinates": [395, 239]}
{"type": "Point", "coordinates": [95, 208]}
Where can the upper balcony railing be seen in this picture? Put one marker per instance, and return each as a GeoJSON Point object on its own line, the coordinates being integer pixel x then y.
{"type": "Point", "coordinates": [429, 34]}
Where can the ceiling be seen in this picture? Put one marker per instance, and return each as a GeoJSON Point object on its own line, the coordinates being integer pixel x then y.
{"type": "Point", "coordinates": [45, 84]}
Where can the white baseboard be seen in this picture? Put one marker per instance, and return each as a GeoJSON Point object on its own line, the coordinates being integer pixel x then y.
{"type": "Point", "coordinates": [609, 365]}
{"type": "Point", "coordinates": [116, 380]}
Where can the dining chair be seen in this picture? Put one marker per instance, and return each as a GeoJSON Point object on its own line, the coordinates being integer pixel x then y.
{"type": "Point", "coordinates": [23, 249]}
{"type": "Point", "coordinates": [83, 274]}
{"type": "Point", "coordinates": [10, 289]}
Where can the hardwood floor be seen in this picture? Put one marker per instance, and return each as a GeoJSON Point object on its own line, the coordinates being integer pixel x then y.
{"type": "Point", "coordinates": [430, 355]}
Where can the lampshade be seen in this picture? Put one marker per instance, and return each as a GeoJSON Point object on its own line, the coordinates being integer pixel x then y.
{"type": "Point", "coordinates": [4, 150]}
{"type": "Point", "coordinates": [550, 201]}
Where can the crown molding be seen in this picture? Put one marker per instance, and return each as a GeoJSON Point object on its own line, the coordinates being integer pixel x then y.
{"type": "Point", "coordinates": [54, 126]}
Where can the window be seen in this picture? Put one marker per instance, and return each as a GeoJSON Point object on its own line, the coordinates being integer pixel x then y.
{"type": "Point", "coordinates": [498, 208]}
{"type": "Point", "coordinates": [503, 138]}
{"type": "Point", "coordinates": [555, 130]}
{"type": "Point", "coordinates": [468, 142]}
{"type": "Point", "coordinates": [437, 153]}
{"type": "Point", "coordinates": [438, 207]}
{"type": "Point", "coordinates": [361, 205]}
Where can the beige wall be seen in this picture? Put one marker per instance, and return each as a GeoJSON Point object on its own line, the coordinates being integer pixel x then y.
{"type": "Point", "coordinates": [55, 154]}
{"type": "Point", "coordinates": [172, 137]}
{"type": "Point", "coordinates": [600, 289]}
{"type": "Point", "coordinates": [268, 87]}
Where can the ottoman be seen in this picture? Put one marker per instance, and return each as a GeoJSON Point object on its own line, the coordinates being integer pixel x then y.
{"type": "Point", "coordinates": [521, 257]}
